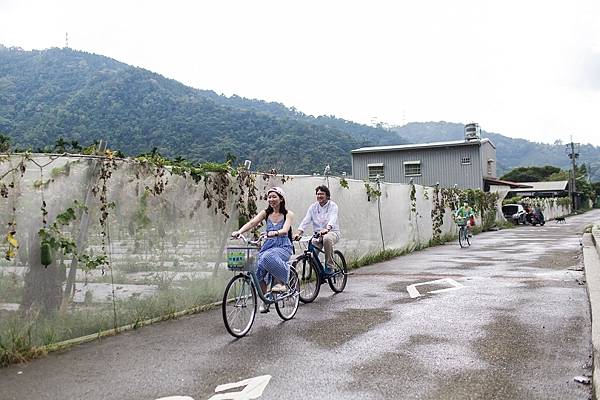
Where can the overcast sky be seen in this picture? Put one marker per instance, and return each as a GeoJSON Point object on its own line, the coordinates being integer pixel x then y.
{"type": "Point", "coordinates": [521, 68]}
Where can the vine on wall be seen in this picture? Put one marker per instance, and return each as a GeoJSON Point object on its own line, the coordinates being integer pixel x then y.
{"type": "Point", "coordinates": [413, 197]}
{"type": "Point", "coordinates": [564, 201]}
{"type": "Point", "coordinates": [221, 181]}
{"type": "Point", "coordinates": [437, 213]}
{"type": "Point", "coordinates": [484, 203]}
{"type": "Point", "coordinates": [6, 191]}
{"type": "Point", "coordinates": [107, 166]}
{"type": "Point", "coordinates": [372, 191]}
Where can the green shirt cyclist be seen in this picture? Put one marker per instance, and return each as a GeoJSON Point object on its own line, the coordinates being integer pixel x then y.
{"type": "Point", "coordinates": [466, 213]}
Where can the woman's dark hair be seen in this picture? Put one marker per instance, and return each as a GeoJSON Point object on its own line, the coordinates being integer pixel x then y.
{"type": "Point", "coordinates": [323, 189]}
{"type": "Point", "coordinates": [269, 210]}
{"type": "Point", "coordinates": [282, 209]}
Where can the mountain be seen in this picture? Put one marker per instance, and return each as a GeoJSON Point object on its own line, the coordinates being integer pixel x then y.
{"type": "Point", "coordinates": [510, 153]}
{"type": "Point", "coordinates": [54, 93]}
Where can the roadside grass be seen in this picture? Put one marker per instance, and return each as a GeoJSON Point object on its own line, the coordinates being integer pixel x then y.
{"type": "Point", "coordinates": [388, 254]}
{"type": "Point", "coordinates": [24, 337]}
{"type": "Point", "coordinates": [15, 342]}
{"type": "Point", "coordinates": [379, 256]}
{"type": "Point", "coordinates": [503, 224]}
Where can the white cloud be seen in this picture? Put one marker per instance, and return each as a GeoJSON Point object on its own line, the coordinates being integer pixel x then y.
{"type": "Point", "coordinates": [522, 69]}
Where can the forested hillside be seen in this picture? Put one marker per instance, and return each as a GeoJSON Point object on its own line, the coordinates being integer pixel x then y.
{"type": "Point", "coordinates": [49, 94]}
{"type": "Point", "coordinates": [62, 93]}
{"type": "Point", "coordinates": [510, 153]}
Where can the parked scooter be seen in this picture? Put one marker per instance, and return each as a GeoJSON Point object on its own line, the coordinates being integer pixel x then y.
{"type": "Point", "coordinates": [534, 216]}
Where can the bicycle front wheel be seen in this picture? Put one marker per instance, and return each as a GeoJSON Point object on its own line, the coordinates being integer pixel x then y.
{"type": "Point", "coordinates": [287, 307]}
{"type": "Point", "coordinates": [462, 236]}
{"type": "Point", "coordinates": [239, 305]}
{"type": "Point", "coordinates": [337, 282]}
{"type": "Point", "coordinates": [309, 279]}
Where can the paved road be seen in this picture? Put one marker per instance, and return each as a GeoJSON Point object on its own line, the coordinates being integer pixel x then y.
{"type": "Point", "coordinates": [517, 326]}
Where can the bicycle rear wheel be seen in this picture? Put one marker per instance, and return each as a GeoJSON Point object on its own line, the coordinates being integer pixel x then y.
{"type": "Point", "coordinates": [287, 307]}
{"type": "Point", "coordinates": [309, 279]}
{"type": "Point", "coordinates": [337, 282]}
{"type": "Point", "coordinates": [239, 305]}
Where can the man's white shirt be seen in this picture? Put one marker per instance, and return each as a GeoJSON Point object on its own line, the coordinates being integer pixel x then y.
{"type": "Point", "coordinates": [321, 217]}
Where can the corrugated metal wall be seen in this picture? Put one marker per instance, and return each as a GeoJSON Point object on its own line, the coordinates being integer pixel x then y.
{"type": "Point", "coordinates": [488, 152]}
{"type": "Point", "coordinates": [441, 164]}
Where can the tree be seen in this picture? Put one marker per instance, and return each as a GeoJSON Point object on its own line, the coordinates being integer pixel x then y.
{"type": "Point", "coordinates": [559, 176]}
{"type": "Point", "coordinates": [4, 143]}
{"type": "Point", "coordinates": [60, 145]}
{"type": "Point", "coordinates": [530, 174]}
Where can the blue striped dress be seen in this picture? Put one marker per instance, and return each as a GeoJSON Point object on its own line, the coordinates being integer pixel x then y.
{"type": "Point", "coordinates": [274, 255]}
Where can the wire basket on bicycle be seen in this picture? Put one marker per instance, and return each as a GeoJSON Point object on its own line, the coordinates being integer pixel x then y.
{"type": "Point", "coordinates": [460, 221]}
{"type": "Point", "coordinates": [242, 258]}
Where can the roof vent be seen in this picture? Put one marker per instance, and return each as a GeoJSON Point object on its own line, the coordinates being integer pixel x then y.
{"type": "Point", "coordinates": [472, 131]}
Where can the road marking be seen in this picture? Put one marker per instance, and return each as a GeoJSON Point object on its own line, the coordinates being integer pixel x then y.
{"type": "Point", "coordinates": [413, 292]}
{"type": "Point", "coordinates": [253, 389]}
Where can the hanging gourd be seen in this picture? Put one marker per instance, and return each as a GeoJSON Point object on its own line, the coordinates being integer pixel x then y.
{"type": "Point", "coordinates": [46, 254]}
{"type": "Point", "coordinates": [46, 250]}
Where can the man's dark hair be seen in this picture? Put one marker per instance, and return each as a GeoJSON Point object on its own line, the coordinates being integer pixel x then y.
{"type": "Point", "coordinates": [324, 189]}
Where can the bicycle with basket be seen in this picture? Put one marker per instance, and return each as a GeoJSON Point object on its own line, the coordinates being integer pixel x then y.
{"type": "Point", "coordinates": [243, 289]}
{"type": "Point", "coordinates": [463, 231]}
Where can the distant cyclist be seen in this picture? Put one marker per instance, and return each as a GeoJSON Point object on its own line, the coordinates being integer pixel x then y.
{"type": "Point", "coordinates": [323, 214]}
{"type": "Point", "coordinates": [466, 213]}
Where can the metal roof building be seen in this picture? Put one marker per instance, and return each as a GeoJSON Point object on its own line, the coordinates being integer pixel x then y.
{"type": "Point", "coordinates": [465, 163]}
{"type": "Point", "coordinates": [542, 189]}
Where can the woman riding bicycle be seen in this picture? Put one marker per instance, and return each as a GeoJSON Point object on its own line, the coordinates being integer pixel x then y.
{"type": "Point", "coordinates": [276, 251]}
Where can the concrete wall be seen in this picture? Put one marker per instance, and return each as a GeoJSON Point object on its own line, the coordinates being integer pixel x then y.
{"type": "Point", "coordinates": [359, 217]}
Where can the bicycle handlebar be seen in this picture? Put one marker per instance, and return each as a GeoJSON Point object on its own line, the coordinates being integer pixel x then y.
{"type": "Point", "coordinates": [306, 238]}
{"type": "Point", "coordinates": [252, 242]}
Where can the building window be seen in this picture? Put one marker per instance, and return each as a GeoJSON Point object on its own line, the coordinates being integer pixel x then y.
{"type": "Point", "coordinates": [465, 160]}
{"type": "Point", "coordinates": [490, 166]}
{"type": "Point", "coordinates": [412, 168]}
{"type": "Point", "coordinates": [376, 172]}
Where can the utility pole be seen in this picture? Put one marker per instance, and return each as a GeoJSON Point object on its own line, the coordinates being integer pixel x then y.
{"type": "Point", "coordinates": [572, 185]}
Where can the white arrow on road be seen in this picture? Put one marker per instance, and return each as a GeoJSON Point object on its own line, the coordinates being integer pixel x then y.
{"type": "Point", "coordinates": [253, 389]}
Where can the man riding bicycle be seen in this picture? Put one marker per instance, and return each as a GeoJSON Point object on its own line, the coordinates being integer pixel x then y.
{"type": "Point", "coordinates": [324, 217]}
{"type": "Point", "coordinates": [467, 215]}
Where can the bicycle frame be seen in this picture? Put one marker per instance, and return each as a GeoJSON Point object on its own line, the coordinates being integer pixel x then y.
{"type": "Point", "coordinates": [252, 274]}
{"type": "Point", "coordinates": [263, 296]}
{"type": "Point", "coordinates": [314, 252]}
